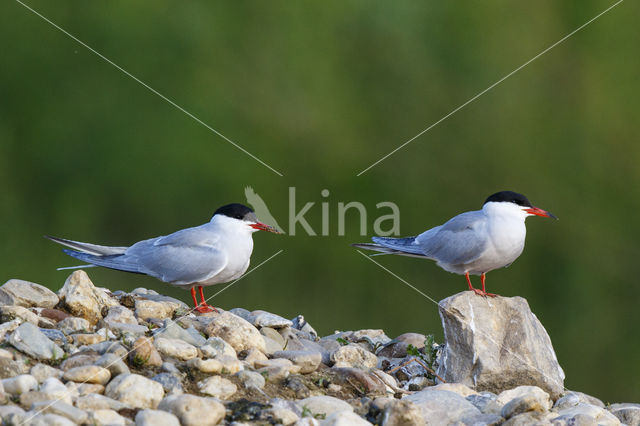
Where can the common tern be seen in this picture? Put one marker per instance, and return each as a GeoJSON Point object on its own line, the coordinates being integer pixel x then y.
{"type": "Point", "coordinates": [217, 252]}
{"type": "Point", "coordinates": [474, 242]}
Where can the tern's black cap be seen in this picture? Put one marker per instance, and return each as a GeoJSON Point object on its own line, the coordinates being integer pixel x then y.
{"type": "Point", "coordinates": [236, 211]}
{"type": "Point", "coordinates": [509, 197]}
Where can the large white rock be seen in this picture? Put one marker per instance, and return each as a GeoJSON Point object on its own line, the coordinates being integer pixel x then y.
{"type": "Point", "coordinates": [218, 387]}
{"type": "Point", "coordinates": [193, 410]}
{"type": "Point", "coordinates": [27, 294]}
{"type": "Point", "coordinates": [83, 299]}
{"type": "Point", "coordinates": [496, 344]}
{"type": "Point", "coordinates": [156, 418]}
{"type": "Point", "coordinates": [353, 355]}
{"type": "Point", "coordinates": [135, 390]}
{"type": "Point", "coordinates": [323, 405]}
{"type": "Point", "coordinates": [239, 333]}
{"type": "Point", "coordinates": [442, 407]}
{"type": "Point", "coordinates": [175, 348]}
{"type": "Point", "coordinates": [344, 418]}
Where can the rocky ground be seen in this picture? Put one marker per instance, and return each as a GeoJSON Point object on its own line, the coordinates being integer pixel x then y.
{"type": "Point", "coordinates": [87, 355]}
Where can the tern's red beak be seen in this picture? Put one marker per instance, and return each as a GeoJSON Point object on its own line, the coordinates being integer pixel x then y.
{"type": "Point", "coordinates": [262, 227]}
{"type": "Point", "coordinates": [539, 212]}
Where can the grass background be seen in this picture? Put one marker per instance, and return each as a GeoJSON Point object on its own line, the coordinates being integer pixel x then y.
{"type": "Point", "coordinates": [320, 91]}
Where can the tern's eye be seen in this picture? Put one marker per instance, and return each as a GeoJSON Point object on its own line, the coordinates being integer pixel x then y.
{"type": "Point", "coordinates": [238, 216]}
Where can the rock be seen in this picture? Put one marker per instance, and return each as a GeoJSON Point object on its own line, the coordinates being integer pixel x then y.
{"type": "Point", "coordinates": [283, 416]}
{"type": "Point", "coordinates": [344, 418]}
{"type": "Point", "coordinates": [230, 365]}
{"type": "Point", "coordinates": [93, 402]}
{"type": "Point", "coordinates": [20, 384]}
{"type": "Point", "coordinates": [486, 402]}
{"type": "Point", "coordinates": [72, 325]}
{"type": "Point", "coordinates": [156, 418]}
{"type": "Point", "coordinates": [215, 347]}
{"type": "Point", "coordinates": [56, 336]}
{"type": "Point", "coordinates": [82, 339]}
{"type": "Point", "coordinates": [266, 319]}
{"type": "Point", "coordinates": [402, 413]}
{"type": "Point", "coordinates": [43, 371]}
{"type": "Point", "coordinates": [323, 405]}
{"type": "Point", "coordinates": [588, 412]}
{"type": "Point", "coordinates": [30, 340]}
{"type": "Point", "coordinates": [54, 389]}
{"type": "Point", "coordinates": [522, 391]}
{"type": "Point", "coordinates": [35, 419]}
{"type": "Point", "coordinates": [488, 340]}
{"type": "Point", "coordinates": [145, 353]}
{"type": "Point", "coordinates": [275, 336]}
{"type": "Point", "coordinates": [307, 361]}
{"type": "Point", "coordinates": [353, 355]}
{"type": "Point", "coordinates": [11, 368]}
{"type": "Point", "coordinates": [171, 383]}
{"type": "Point", "coordinates": [253, 355]}
{"type": "Point", "coordinates": [135, 390]}
{"type": "Point", "coordinates": [106, 418]}
{"type": "Point", "coordinates": [53, 314]}
{"type": "Point", "coordinates": [61, 409]}
{"type": "Point", "coordinates": [251, 379]}
{"type": "Point", "coordinates": [27, 294]}
{"type": "Point", "coordinates": [460, 389]}
{"type": "Point", "coordinates": [484, 420]}
{"type": "Point", "coordinates": [276, 369]}
{"type": "Point", "coordinates": [113, 363]}
{"type": "Point", "coordinates": [627, 413]}
{"type": "Point", "coordinates": [121, 315]}
{"type": "Point", "coordinates": [175, 348]}
{"type": "Point", "coordinates": [193, 410]}
{"type": "Point", "coordinates": [218, 387]}
{"type": "Point", "coordinates": [88, 374]}
{"type": "Point", "coordinates": [79, 359]}
{"type": "Point", "coordinates": [146, 309]}
{"type": "Point", "coordinates": [571, 399]}
{"type": "Point", "coordinates": [9, 313]}
{"type": "Point", "coordinates": [174, 331]}
{"type": "Point", "coordinates": [239, 333]}
{"type": "Point", "coordinates": [209, 366]}
{"type": "Point", "coordinates": [83, 299]}
{"type": "Point", "coordinates": [299, 323]}
{"type": "Point", "coordinates": [442, 407]}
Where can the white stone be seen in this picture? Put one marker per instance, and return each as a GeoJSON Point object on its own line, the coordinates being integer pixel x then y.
{"type": "Point", "coordinates": [106, 418]}
{"type": "Point", "coordinates": [355, 356]}
{"type": "Point", "coordinates": [156, 418]}
{"type": "Point", "coordinates": [88, 374]}
{"type": "Point", "coordinates": [19, 384]}
{"type": "Point", "coordinates": [135, 390]}
{"type": "Point", "coordinates": [83, 299]}
{"type": "Point", "coordinates": [215, 347]}
{"type": "Point", "coordinates": [323, 404]}
{"type": "Point", "coordinates": [239, 333]}
{"type": "Point", "coordinates": [218, 387]}
{"type": "Point", "coordinates": [175, 348]}
{"type": "Point", "coordinates": [193, 410]}
{"type": "Point", "coordinates": [344, 418]}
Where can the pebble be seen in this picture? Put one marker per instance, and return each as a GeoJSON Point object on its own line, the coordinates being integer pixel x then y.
{"type": "Point", "coordinates": [251, 379]}
{"type": "Point", "coordinates": [43, 371]}
{"type": "Point", "coordinates": [144, 353]}
{"type": "Point", "coordinates": [266, 319]}
{"type": "Point", "coordinates": [113, 363]}
{"type": "Point", "coordinates": [105, 417]}
{"type": "Point", "coordinates": [146, 309]}
{"type": "Point", "coordinates": [175, 348]}
{"type": "Point", "coordinates": [218, 387]}
{"type": "Point", "coordinates": [209, 366]}
{"type": "Point", "coordinates": [88, 374]}
{"type": "Point", "coordinates": [62, 409]}
{"type": "Point", "coordinates": [215, 347]}
{"type": "Point", "coordinates": [308, 361]}
{"type": "Point", "coordinates": [627, 413]}
{"type": "Point", "coordinates": [87, 338]}
{"type": "Point", "coordinates": [93, 402]}
{"type": "Point", "coordinates": [27, 294]}
{"type": "Point", "coordinates": [239, 333]}
{"type": "Point", "coordinates": [9, 313]}
{"type": "Point", "coordinates": [72, 325]}
{"type": "Point", "coordinates": [83, 299]}
{"type": "Point", "coordinates": [344, 418]}
{"type": "Point", "coordinates": [353, 355]}
{"type": "Point", "coordinates": [156, 418]}
{"type": "Point", "coordinates": [135, 390]}
{"type": "Point", "coordinates": [20, 384]}
{"type": "Point", "coordinates": [193, 410]}
{"type": "Point", "coordinates": [323, 405]}
{"type": "Point", "coordinates": [172, 330]}
{"type": "Point", "coordinates": [35, 419]}
{"type": "Point", "coordinates": [171, 383]}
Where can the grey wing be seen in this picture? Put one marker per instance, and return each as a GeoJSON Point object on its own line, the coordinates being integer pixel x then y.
{"type": "Point", "coordinates": [458, 241]}
{"type": "Point", "coordinates": [184, 257]}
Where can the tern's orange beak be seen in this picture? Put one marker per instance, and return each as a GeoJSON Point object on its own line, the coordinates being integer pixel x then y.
{"type": "Point", "coordinates": [539, 212]}
{"type": "Point", "coordinates": [262, 227]}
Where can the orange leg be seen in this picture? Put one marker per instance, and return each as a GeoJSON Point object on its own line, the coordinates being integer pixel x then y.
{"type": "Point", "coordinates": [476, 290]}
{"type": "Point", "coordinates": [201, 307]}
{"type": "Point", "coordinates": [483, 277]}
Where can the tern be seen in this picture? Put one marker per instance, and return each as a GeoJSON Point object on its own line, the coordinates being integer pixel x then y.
{"type": "Point", "coordinates": [474, 242]}
{"type": "Point", "coordinates": [217, 252]}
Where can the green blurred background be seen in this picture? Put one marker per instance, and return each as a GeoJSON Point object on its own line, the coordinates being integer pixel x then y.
{"type": "Point", "coordinates": [320, 91]}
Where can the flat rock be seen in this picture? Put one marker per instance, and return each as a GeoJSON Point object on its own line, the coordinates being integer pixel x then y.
{"type": "Point", "coordinates": [442, 407]}
{"type": "Point", "coordinates": [627, 413]}
{"type": "Point", "coordinates": [88, 374]}
{"type": "Point", "coordinates": [171, 383]}
{"type": "Point", "coordinates": [92, 402]}
{"type": "Point", "coordinates": [487, 341]}
{"type": "Point", "coordinates": [174, 331]}
{"type": "Point", "coordinates": [145, 353]}
{"type": "Point", "coordinates": [239, 333]}
{"type": "Point", "coordinates": [72, 325]}
{"type": "Point", "coordinates": [146, 309]}
{"type": "Point", "coordinates": [175, 348]}
{"type": "Point", "coordinates": [29, 339]}
{"type": "Point", "coordinates": [120, 314]}
{"type": "Point", "coordinates": [215, 347]}
{"type": "Point", "coordinates": [267, 319]}
{"type": "Point", "coordinates": [19, 384]}
{"type": "Point", "coordinates": [402, 413]}
{"type": "Point", "coordinates": [83, 299]}
{"type": "Point", "coordinates": [251, 379]}
{"type": "Point", "coordinates": [61, 408]}
{"type": "Point", "coordinates": [43, 371]}
{"type": "Point", "coordinates": [585, 410]}
{"type": "Point", "coordinates": [27, 294]}
{"type": "Point", "coordinates": [193, 410]}
{"type": "Point", "coordinates": [135, 390]}
{"type": "Point", "coordinates": [113, 363]}
{"type": "Point", "coordinates": [308, 361]}
{"type": "Point", "coordinates": [106, 417]}
{"type": "Point", "coordinates": [344, 418]}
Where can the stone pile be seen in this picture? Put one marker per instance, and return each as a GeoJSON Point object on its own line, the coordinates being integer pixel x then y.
{"type": "Point", "coordinates": [87, 355]}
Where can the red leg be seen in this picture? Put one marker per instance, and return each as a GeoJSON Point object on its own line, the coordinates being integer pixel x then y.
{"type": "Point", "coordinates": [475, 290]}
{"type": "Point", "coordinates": [483, 277]}
{"type": "Point", "coordinates": [193, 294]}
{"type": "Point", "coordinates": [202, 307]}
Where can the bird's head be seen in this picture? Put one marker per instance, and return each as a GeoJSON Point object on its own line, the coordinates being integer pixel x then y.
{"type": "Point", "coordinates": [241, 216]}
{"type": "Point", "coordinates": [512, 202]}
